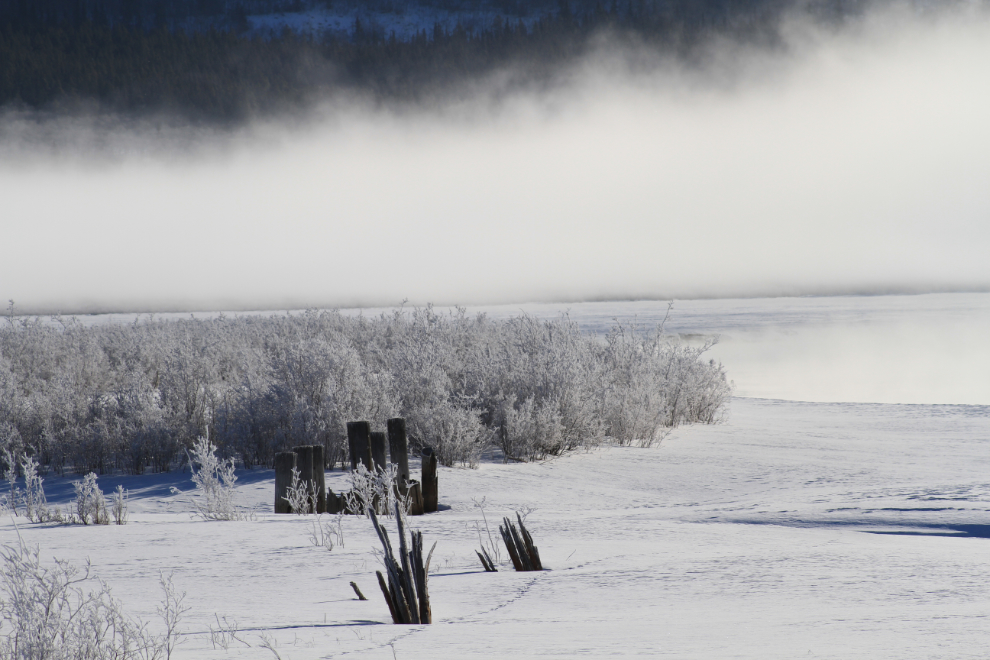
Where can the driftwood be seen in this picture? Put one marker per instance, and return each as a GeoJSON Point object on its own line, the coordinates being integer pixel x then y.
{"type": "Point", "coordinates": [357, 591]}
{"type": "Point", "coordinates": [405, 589]}
{"type": "Point", "coordinates": [486, 561]}
{"type": "Point", "coordinates": [519, 543]}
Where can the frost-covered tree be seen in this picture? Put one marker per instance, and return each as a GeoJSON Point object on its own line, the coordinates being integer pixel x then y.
{"type": "Point", "coordinates": [136, 397]}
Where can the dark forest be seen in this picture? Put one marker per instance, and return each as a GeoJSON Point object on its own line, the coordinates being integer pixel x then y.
{"type": "Point", "coordinates": [196, 58]}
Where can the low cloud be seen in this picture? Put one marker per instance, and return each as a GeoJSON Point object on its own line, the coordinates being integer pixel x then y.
{"type": "Point", "coordinates": [844, 160]}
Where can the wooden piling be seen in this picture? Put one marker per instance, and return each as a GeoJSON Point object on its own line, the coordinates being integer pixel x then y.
{"type": "Point", "coordinates": [359, 443]}
{"type": "Point", "coordinates": [415, 491]}
{"type": "Point", "coordinates": [431, 493]}
{"type": "Point", "coordinates": [319, 479]}
{"type": "Point", "coordinates": [378, 450]}
{"type": "Point", "coordinates": [335, 503]}
{"type": "Point", "coordinates": [398, 447]}
{"type": "Point", "coordinates": [284, 462]}
{"type": "Point", "coordinates": [304, 463]}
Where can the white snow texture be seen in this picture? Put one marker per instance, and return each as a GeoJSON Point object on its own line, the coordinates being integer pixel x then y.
{"type": "Point", "coordinates": [794, 529]}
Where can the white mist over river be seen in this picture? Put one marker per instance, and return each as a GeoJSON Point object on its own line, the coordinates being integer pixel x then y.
{"type": "Point", "coordinates": [871, 349]}
{"type": "Point", "coordinates": [846, 161]}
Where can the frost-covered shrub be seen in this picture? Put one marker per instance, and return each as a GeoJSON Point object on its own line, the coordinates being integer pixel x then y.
{"type": "Point", "coordinates": [10, 476]}
{"type": "Point", "coordinates": [375, 490]}
{"type": "Point", "coordinates": [328, 532]}
{"type": "Point", "coordinates": [659, 383]}
{"type": "Point", "coordinates": [45, 614]}
{"type": "Point", "coordinates": [134, 397]}
{"type": "Point", "coordinates": [455, 432]}
{"type": "Point", "coordinates": [35, 503]}
{"type": "Point", "coordinates": [119, 506]}
{"type": "Point", "coordinates": [214, 479]}
{"type": "Point", "coordinates": [530, 429]}
{"type": "Point", "coordinates": [91, 506]}
{"type": "Point", "coordinates": [300, 495]}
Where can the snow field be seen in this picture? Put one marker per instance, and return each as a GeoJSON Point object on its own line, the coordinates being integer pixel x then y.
{"type": "Point", "coordinates": [751, 539]}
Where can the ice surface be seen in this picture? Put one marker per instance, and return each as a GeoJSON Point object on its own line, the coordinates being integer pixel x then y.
{"type": "Point", "coordinates": [791, 530]}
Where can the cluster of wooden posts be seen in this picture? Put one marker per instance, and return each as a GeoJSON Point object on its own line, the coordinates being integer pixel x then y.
{"type": "Point", "coordinates": [366, 448]}
{"type": "Point", "coordinates": [405, 586]}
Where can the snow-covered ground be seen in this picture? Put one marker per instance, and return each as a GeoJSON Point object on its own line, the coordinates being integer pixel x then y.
{"type": "Point", "coordinates": [794, 529]}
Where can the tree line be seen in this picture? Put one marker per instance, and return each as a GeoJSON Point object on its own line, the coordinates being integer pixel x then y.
{"type": "Point", "coordinates": [66, 55]}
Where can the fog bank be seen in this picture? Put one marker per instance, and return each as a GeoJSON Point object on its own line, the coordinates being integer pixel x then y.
{"type": "Point", "coordinates": [850, 161]}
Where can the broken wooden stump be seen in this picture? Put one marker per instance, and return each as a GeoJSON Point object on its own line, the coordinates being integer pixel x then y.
{"type": "Point", "coordinates": [405, 590]}
{"type": "Point", "coordinates": [415, 492]}
{"type": "Point", "coordinates": [336, 503]}
{"type": "Point", "coordinates": [519, 543]}
{"type": "Point", "coordinates": [375, 450]}
{"type": "Point", "coordinates": [486, 561]}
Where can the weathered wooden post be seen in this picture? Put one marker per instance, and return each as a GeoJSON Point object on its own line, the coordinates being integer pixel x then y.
{"type": "Point", "coordinates": [304, 463]}
{"type": "Point", "coordinates": [319, 479]}
{"type": "Point", "coordinates": [378, 450]}
{"type": "Point", "coordinates": [406, 590]}
{"type": "Point", "coordinates": [336, 503]}
{"type": "Point", "coordinates": [522, 551]}
{"type": "Point", "coordinates": [415, 490]}
{"type": "Point", "coordinates": [284, 462]}
{"type": "Point", "coordinates": [359, 443]}
{"type": "Point", "coordinates": [431, 492]}
{"type": "Point", "coordinates": [398, 447]}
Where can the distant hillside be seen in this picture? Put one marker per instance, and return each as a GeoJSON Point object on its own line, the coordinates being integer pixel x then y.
{"type": "Point", "coordinates": [404, 17]}
{"type": "Point", "coordinates": [226, 60]}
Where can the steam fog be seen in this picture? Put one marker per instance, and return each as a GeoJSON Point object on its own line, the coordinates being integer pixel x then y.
{"type": "Point", "coordinates": [847, 161]}
{"type": "Point", "coordinates": [911, 349]}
